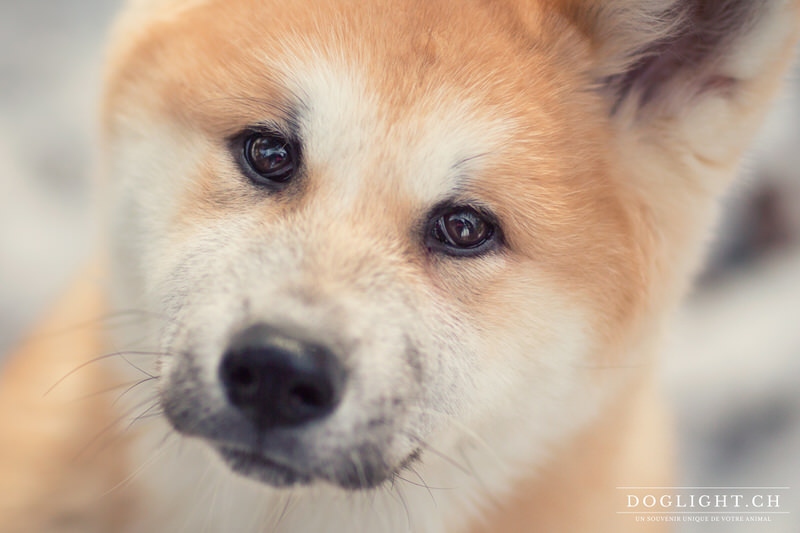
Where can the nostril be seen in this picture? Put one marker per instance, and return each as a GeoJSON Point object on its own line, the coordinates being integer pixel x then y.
{"type": "Point", "coordinates": [241, 376]}
{"type": "Point", "coordinates": [308, 395]}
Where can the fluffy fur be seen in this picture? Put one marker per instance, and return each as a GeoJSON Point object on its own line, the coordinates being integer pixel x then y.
{"type": "Point", "coordinates": [507, 392]}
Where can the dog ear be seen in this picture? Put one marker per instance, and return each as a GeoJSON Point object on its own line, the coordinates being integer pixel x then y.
{"type": "Point", "coordinates": [686, 84]}
{"type": "Point", "coordinates": [660, 56]}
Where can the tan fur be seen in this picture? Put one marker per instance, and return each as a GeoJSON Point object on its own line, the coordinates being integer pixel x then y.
{"type": "Point", "coordinates": [578, 490]}
{"type": "Point", "coordinates": [603, 217]}
{"type": "Point", "coordinates": [56, 476]}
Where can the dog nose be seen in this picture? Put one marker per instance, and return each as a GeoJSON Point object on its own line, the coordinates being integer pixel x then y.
{"type": "Point", "coordinates": [279, 380]}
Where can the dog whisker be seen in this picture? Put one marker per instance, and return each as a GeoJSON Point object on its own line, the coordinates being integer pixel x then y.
{"type": "Point", "coordinates": [425, 483]}
{"type": "Point", "coordinates": [121, 354]}
{"type": "Point", "coordinates": [130, 388]}
{"type": "Point", "coordinates": [157, 453]}
{"type": "Point", "coordinates": [284, 510]}
{"type": "Point", "coordinates": [137, 367]}
{"type": "Point", "coordinates": [469, 471]}
{"type": "Point", "coordinates": [466, 431]}
{"type": "Point", "coordinates": [111, 426]}
{"type": "Point", "coordinates": [145, 416]}
{"type": "Point", "coordinates": [422, 485]}
{"type": "Point", "coordinates": [129, 384]}
{"type": "Point", "coordinates": [401, 496]}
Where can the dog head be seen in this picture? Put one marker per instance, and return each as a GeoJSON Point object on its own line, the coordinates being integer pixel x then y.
{"type": "Point", "coordinates": [378, 231]}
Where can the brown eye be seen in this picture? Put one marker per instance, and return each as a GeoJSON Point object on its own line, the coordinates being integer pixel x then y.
{"type": "Point", "coordinates": [462, 229]}
{"type": "Point", "coordinates": [270, 156]}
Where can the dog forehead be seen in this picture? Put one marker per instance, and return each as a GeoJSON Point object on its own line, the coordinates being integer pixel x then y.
{"type": "Point", "coordinates": [400, 111]}
{"type": "Point", "coordinates": [359, 139]}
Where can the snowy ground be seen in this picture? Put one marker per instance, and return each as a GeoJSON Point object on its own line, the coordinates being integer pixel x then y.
{"type": "Point", "coordinates": [732, 371]}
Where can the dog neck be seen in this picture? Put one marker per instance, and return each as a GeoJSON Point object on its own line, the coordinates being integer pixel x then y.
{"type": "Point", "coordinates": [629, 445]}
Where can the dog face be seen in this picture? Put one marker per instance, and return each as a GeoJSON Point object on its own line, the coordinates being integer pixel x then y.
{"type": "Point", "coordinates": [375, 232]}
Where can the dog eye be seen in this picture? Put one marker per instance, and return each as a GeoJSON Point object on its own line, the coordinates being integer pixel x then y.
{"type": "Point", "coordinates": [270, 156]}
{"type": "Point", "coordinates": [461, 230]}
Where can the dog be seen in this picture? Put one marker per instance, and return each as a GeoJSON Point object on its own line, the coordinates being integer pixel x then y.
{"type": "Point", "coordinates": [398, 266]}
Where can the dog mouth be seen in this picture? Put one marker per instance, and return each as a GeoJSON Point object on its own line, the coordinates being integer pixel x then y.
{"type": "Point", "coordinates": [257, 466]}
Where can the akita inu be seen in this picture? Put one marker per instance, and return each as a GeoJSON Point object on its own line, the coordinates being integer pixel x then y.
{"type": "Point", "coordinates": [391, 266]}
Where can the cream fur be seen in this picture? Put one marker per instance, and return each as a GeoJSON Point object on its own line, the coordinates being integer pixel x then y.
{"type": "Point", "coordinates": [522, 379]}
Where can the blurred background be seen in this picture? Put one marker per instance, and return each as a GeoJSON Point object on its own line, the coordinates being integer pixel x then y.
{"type": "Point", "coordinates": [731, 371]}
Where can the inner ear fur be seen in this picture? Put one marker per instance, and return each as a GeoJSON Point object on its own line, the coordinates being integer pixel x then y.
{"type": "Point", "coordinates": [661, 55]}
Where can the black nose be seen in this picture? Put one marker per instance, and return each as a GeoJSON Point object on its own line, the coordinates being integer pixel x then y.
{"type": "Point", "coordinates": [279, 380]}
